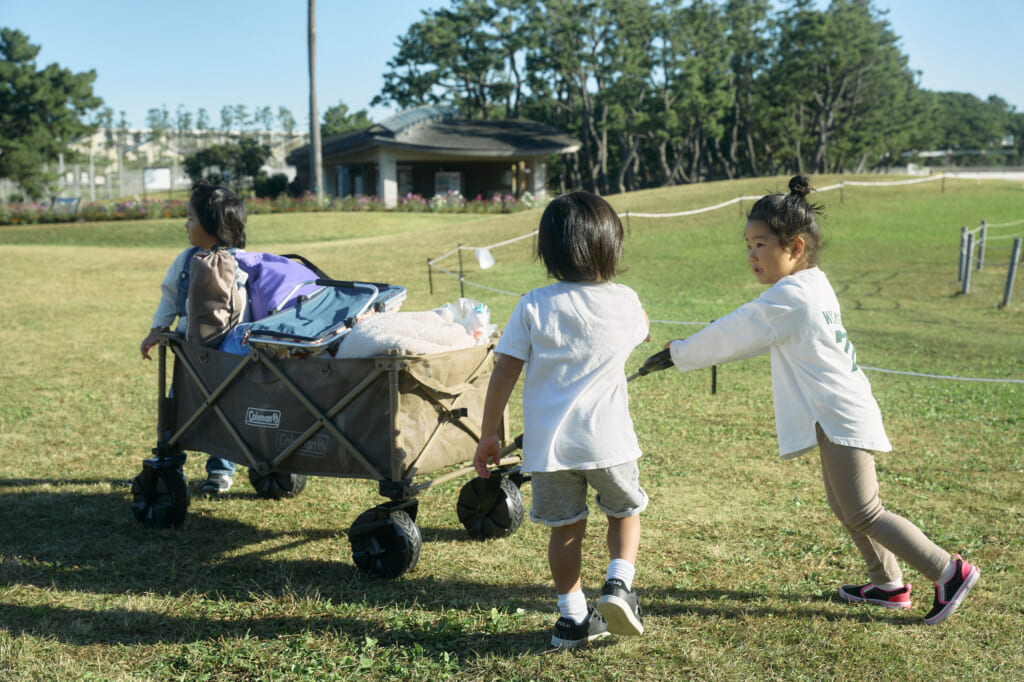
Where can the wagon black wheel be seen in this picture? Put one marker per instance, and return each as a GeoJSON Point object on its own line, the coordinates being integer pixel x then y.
{"type": "Point", "coordinates": [490, 507]}
{"type": "Point", "coordinates": [275, 485]}
{"type": "Point", "coordinates": [160, 494]}
{"type": "Point", "coordinates": [385, 543]}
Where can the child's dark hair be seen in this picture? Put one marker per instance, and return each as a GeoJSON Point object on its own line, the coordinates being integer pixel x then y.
{"type": "Point", "coordinates": [580, 238]}
{"type": "Point", "coordinates": [791, 215]}
{"type": "Point", "coordinates": [221, 213]}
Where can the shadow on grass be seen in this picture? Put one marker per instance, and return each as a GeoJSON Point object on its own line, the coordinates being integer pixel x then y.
{"type": "Point", "coordinates": [90, 544]}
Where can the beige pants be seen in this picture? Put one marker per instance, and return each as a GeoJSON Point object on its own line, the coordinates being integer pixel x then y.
{"type": "Point", "coordinates": [851, 487]}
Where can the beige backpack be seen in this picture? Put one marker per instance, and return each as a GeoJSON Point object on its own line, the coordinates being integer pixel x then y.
{"type": "Point", "coordinates": [215, 301]}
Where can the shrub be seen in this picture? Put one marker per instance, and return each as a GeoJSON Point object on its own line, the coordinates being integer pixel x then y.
{"type": "Point", "coordinates": [270, 187]}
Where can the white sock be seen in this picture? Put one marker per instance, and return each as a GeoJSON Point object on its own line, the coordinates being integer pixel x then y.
{"type": "Point", "coordinates": [890, 587]}
{"type": "Point", "coordinates": [948, 573]}
{"type": "Point", "coordinates": [623, 570]}
{"type": "Point", "coordinates": [573, 606]}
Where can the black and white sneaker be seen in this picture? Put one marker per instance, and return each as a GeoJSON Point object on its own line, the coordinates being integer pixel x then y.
{"type": "Point", "coordinates": [215, 484]}
{"type": "Point", "coordinates": [570, 635]}
{"type": "Point", "coordinates": [621, 608]}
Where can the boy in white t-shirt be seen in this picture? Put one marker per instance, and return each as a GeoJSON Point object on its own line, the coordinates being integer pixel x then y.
{"type": "Point", "coordinates": [574, 337]}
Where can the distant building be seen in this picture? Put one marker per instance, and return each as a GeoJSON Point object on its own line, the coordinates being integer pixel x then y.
{"type": "Point", "coordinates": [430, 150]}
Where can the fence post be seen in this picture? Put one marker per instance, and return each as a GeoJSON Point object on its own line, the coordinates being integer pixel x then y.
{"type": "Point", "coordinates": [842, 185]}
{"type": "Point", "coordinates": [1011, 272]}
{"type": "Point", "coordinates": [981, 243]}
{"type": "Point", "coordinates": [629, 228]}
{"type": "Point", "coordinates": [430, 276]}
{"type": "Point", "coordinates": [462, 287]}
{"type": "Point", "coordinates": [943, 183]}
{"type": "Point", "coordinates": [963, 254]}
{"type": "Point", "coordinates": [967, 269]}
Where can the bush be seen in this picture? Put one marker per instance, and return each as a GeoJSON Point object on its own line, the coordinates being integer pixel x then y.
{"type": "Point", "coordinates": [270, 187]}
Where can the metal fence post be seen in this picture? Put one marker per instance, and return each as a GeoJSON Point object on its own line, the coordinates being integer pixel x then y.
{"type": "Point", "coordinates": [963, 254]}
{"type": "Point", "coordinates": [430, 276]}
{"type": "Point", "coordinates": [967, 270]}
{"type": "Point", "coordinates": [981, 243]}
{"type": "Point", "coordinates": [1011, 272]}
{"type": "Point", "coordinates": [462, 287]}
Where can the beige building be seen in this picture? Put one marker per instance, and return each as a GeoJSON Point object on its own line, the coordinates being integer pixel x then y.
{"type": "Point", "coordinates": [430, 150]}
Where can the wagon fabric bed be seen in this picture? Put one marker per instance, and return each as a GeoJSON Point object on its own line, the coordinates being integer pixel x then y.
{"type": "Point", "coordinates": [408, 422]}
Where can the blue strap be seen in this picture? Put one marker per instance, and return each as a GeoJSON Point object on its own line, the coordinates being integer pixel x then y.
{"type": "Point", "coordinates": [183, 282]}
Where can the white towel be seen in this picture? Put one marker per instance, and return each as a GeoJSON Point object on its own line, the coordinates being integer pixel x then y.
{"type": "Point", "coordinates": [412, 333]}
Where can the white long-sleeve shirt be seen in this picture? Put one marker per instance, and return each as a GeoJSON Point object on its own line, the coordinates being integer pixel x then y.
{"type": "Point", "coordinates": [815, 378]}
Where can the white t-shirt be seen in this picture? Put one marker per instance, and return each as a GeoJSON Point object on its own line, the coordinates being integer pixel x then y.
{"type": "Point", "coordinates": [575, 338]}
{"type": "Point", "coordinates": [815, 378]}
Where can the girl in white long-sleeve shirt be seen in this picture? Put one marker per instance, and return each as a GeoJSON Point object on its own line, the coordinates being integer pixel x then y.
{"type": "Point", "coordinates": [823, 398]}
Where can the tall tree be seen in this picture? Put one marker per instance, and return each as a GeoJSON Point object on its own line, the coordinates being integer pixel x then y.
{"type": "Point", "coordinates": [747, 42]}
{"type": "Point", "coordinates": [843, 80]}
{"type": "Point", "coordinates": [286, 120]}
{"type": "Point", "coordinates": [158, 120]}
{"type": "Point", "coordinates": [227, 118]}
{"type": "Point", "coordinates": [467, 55]}
{"type": "Point", "coordinates": [337, 119]}
{"type": "Point", "coordinates": [42, 111]}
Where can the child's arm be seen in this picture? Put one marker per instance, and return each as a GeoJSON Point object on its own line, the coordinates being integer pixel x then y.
{"type": "Point", "coordinates": [503, 381]}
{"type": "Point", "coordinates": [743, 333]}
{"type": "Point", "coordinates": [167, 310]}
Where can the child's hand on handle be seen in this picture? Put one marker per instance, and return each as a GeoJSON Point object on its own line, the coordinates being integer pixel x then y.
{"type": "Point", "coordinates": [149, 342]}
{"type": "Point", "coordinates": [486, 450]}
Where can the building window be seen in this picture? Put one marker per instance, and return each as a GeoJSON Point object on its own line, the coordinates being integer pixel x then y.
{"type": "Point", "coordinates": [404, 178]}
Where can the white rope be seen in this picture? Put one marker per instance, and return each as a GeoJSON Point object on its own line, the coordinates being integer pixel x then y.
{"type": "Point", "coordinates": [756, 197]}
{"type": "Point", "coordinates": [915, 181]}
{"type": "Point", "coordinates": [1015, 222]}
{"type": "Point", "coordinates": [441, 258]}
{"type": "Point", "coordinates": [699, 324]}
{"type": "Point", "coordinates": [944, 376]}
{"type": "Point", "coordinates": [693, 212]}
{"type": "Point", "coordinates": [1004, 236]}
{"type": "Point", "coordinates": [504, 243]}
{"type": "Point", "coordinates": [474, 284]}
{"type": "Point", "coordinates": [889, 371]}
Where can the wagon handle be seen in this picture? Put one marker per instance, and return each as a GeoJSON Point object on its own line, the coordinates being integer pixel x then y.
{"type": "Point", "coordinates": [657, 362]}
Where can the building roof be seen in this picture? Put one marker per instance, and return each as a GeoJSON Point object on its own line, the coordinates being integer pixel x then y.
{"type": "Point", "coordinates": [434, 129]}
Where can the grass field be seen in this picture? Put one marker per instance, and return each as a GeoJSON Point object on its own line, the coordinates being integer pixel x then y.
{"type": "Point", "coordinates": [740, 558]}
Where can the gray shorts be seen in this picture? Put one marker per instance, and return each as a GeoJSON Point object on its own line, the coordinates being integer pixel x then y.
{"type": "Point", "coordinates": [560, 497]}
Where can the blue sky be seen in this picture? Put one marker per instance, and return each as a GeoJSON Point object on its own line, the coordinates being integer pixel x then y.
{"type": "Point", "coordinates": [219, 53]}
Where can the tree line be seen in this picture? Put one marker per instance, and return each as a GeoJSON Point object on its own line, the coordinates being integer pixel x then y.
{"type": "Point", "coordinates": [668, 92]}
{"type": "Point", "coordinates": [659, 92]}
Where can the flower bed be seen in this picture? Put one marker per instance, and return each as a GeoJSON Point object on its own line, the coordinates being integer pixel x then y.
{"type": "Point", "coordinates": [143, 209]}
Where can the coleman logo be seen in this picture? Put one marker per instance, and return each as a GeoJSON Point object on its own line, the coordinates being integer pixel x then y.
{"type": "Point", "coordinates": [262, 419]}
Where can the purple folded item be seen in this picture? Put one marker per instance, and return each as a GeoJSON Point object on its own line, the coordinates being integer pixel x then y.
{"type": "Point", "coordinates": [272, 281]}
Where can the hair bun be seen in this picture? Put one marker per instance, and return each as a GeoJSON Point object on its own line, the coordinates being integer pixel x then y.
{"type": "Point", "coordinates": [800, 186]}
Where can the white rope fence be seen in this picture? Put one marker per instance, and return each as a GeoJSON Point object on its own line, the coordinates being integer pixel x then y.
{"type": "Point", "coordinates": [485, 259]}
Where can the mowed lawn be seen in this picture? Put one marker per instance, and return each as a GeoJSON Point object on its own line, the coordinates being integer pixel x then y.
{"type": "Point", "coordinates": [740, 558]}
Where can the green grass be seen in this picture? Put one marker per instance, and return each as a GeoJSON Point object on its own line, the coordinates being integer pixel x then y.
{"type": "Point", "coordinates": [740, 557]}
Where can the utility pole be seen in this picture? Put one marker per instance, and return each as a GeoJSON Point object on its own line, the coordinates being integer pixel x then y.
{"type": "Point", "coordinates": [316, 165]}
